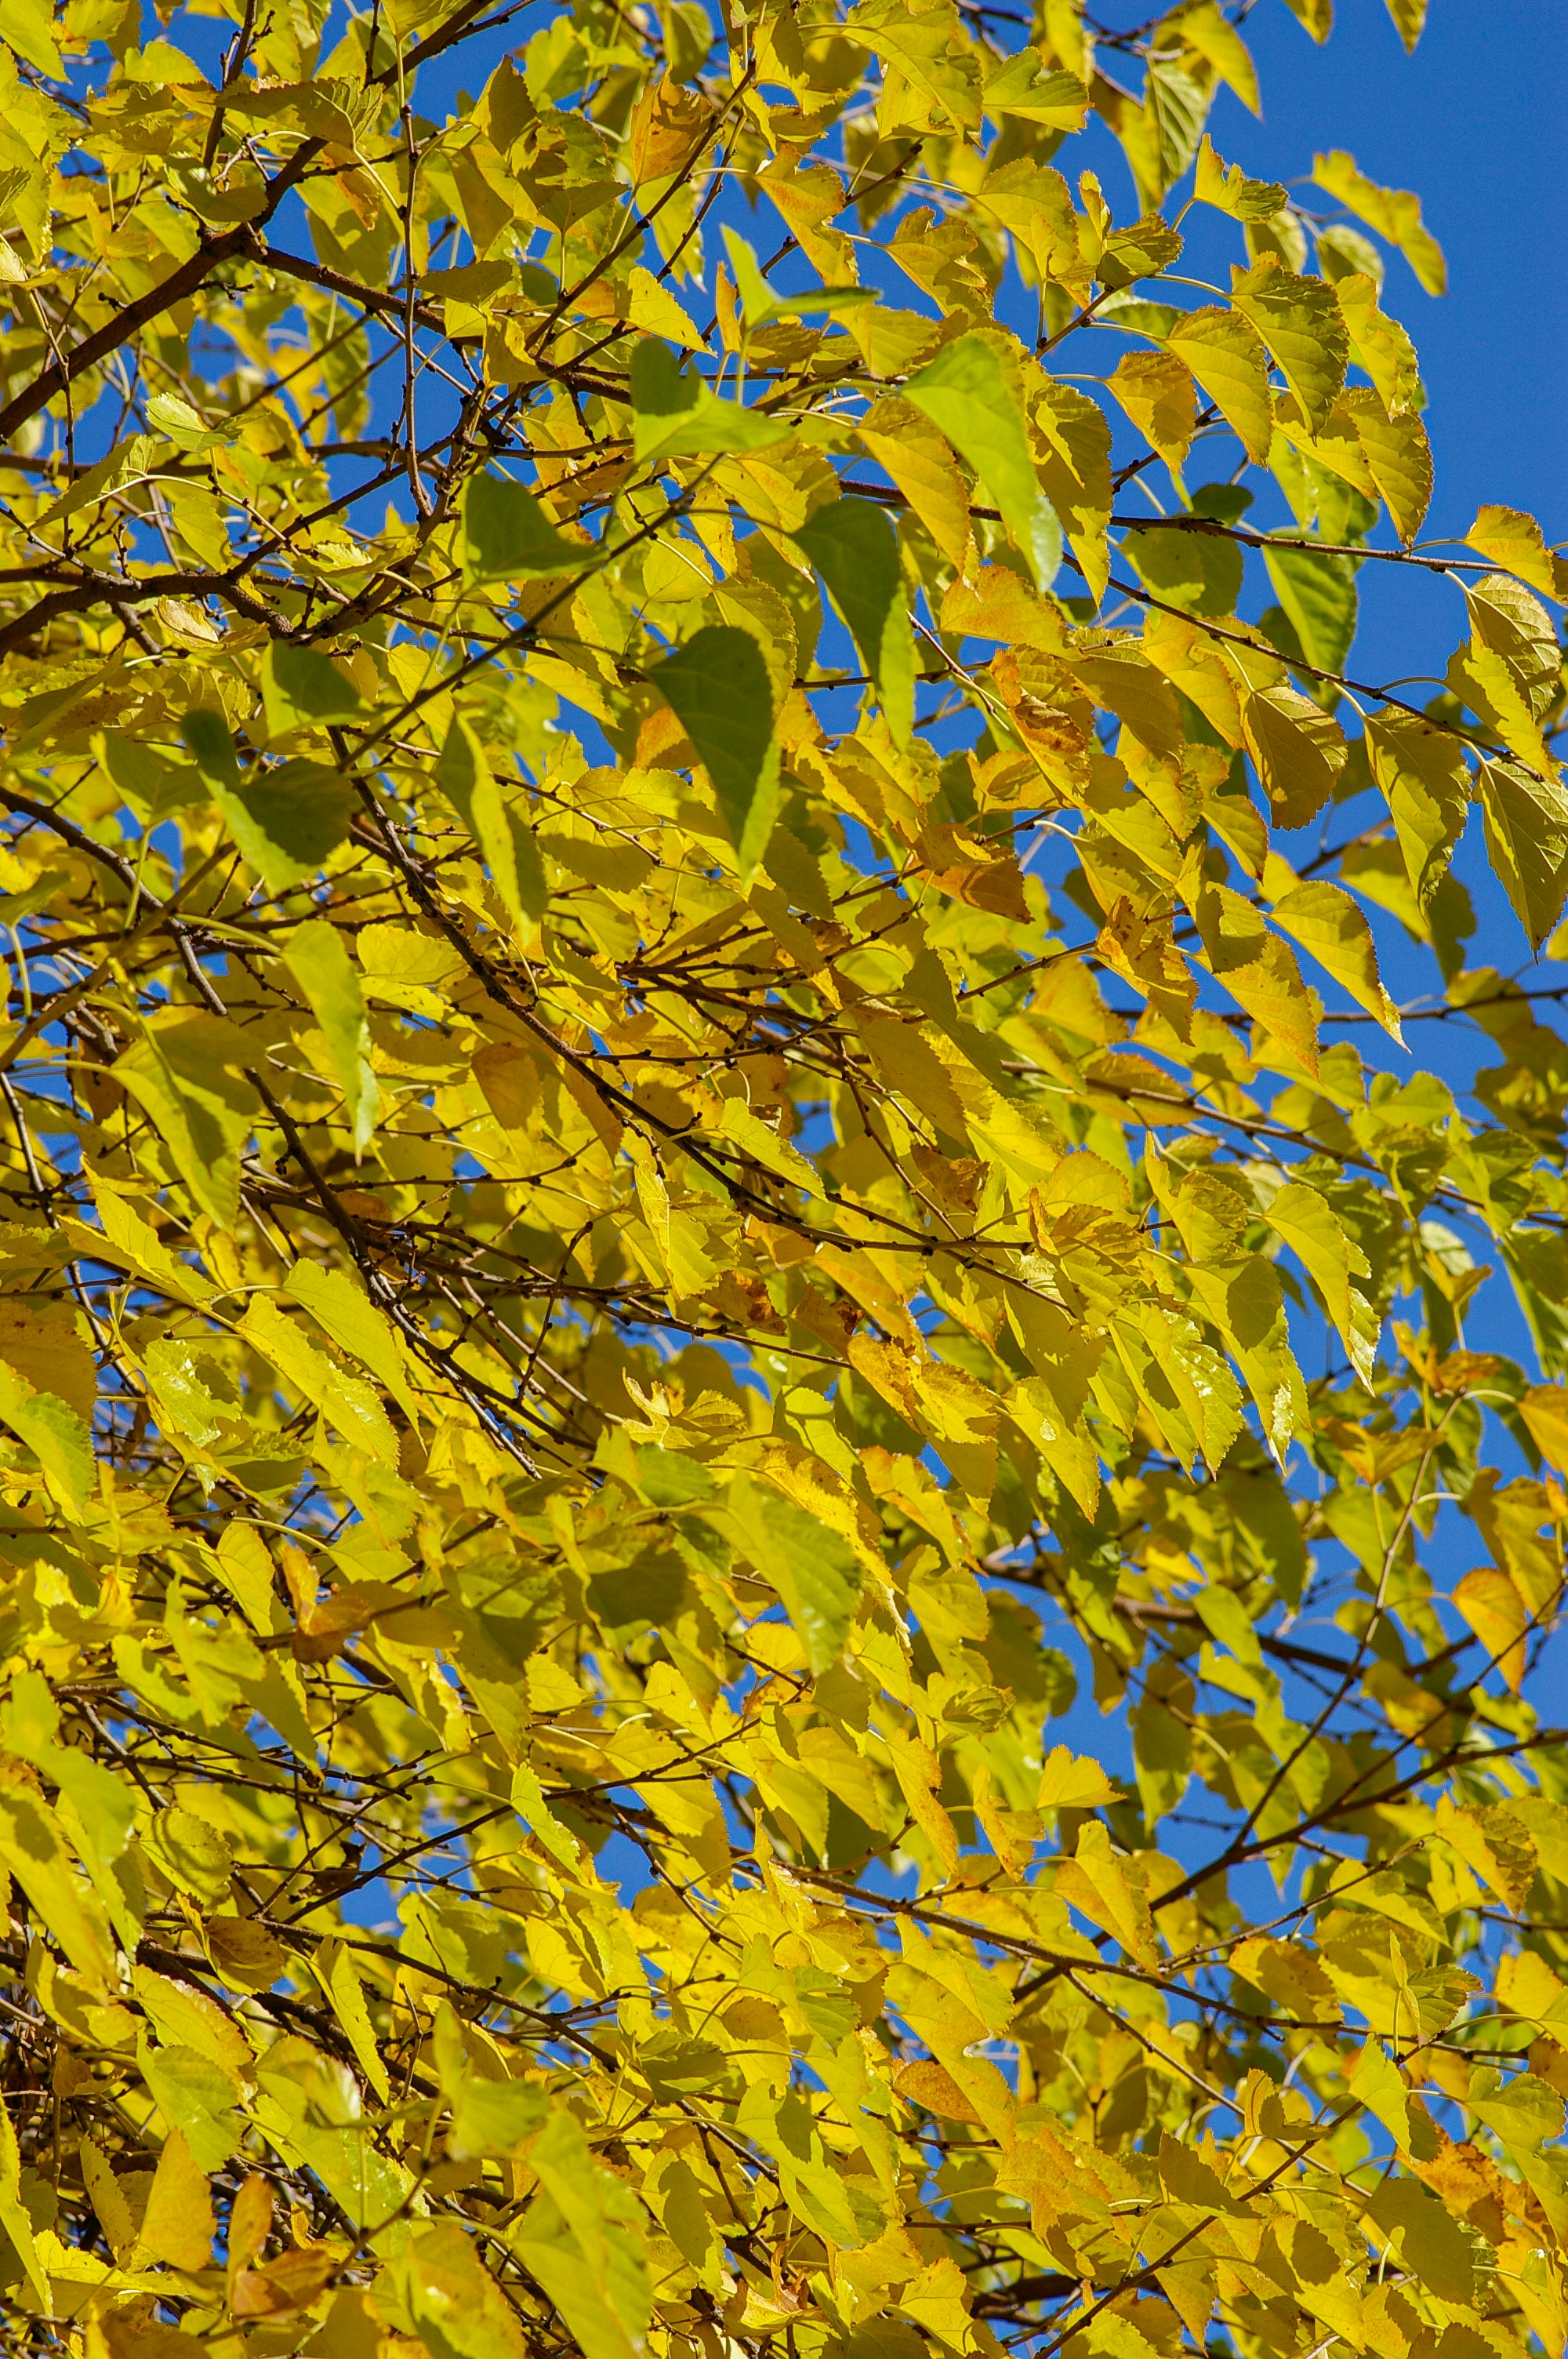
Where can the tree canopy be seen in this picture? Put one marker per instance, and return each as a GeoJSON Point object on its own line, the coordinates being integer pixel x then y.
{"type": "Point", "coordinates": [700, 1128]}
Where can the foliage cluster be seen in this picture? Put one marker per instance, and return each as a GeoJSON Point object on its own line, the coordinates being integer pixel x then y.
{"type": "Point", "coordinates": [689, 1114]}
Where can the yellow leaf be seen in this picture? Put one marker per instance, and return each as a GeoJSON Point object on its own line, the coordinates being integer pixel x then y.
{"type": "Point", "coordinates": [1156, 391]}
{"type": "Point", "coordinates": [1544, 1409]}
{"type": "Point", "coordinates": [1099, 1884]}
{"type": "Point", "coordinates": [334, 1966]}
{"type": "Point", "coordinates": [1377, 2082]}
{"type": "Point", "coordinates": [14, 2217]}
{"type": "Point", "coordinates": [1226, 355]}
{"type": "Point", "coordinates": [1394, 214]}
{"type": "Point", "coordinates": [1490, 1840]}
{"type": "Point", "coordinates": [922, 465]}
{"type": "Point", "coordinates": [1508, 538]}
{"type": "Point", "coordinates": [651, 307]}
{"type": "Point", "coordinates": [1499, 1617]}
{"type": "Point", "coordinates": [1398, 456]}
{"type": "Point", "coordinates": [930, 2086]}
{"type": "Point", "coordinates": [1299, 752]}
{"type": "Point", "coordinates": [1326, 922]}
{"type": "Point", "coordinates": [1311, 1229]}
{"type": "Point", "coordinates": [1378, 345]}
{"type": "Point", "coordinates": [1300, 322]}
{"type": "Point", "coordinates": [1425, 778]}
{"type": "Point", "coordinates": [178, 2225]}
{"type": "Point", "coordinates": [187, 2018]}
{"type": "Point", "coordinates": [1069, 1782]}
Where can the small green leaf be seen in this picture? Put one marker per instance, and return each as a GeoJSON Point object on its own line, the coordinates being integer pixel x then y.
{"type": "Point", "coordinates": [762, 305]}
{"type": "Point", "coordinates": [494, 2117]}
{"type": "Point", "coordinates": [1318, 594]}
{"type": "Point", "coordinates": [855, 549]}
{"type": "Point", "coordinates": [718, 687]}
{"type": "Point", "coordinates": [183, 425]}
{"type": "Point", "coordinates": [304, 688]}
{"type": "Point", "coordinates": [1201, 572]}
{"type": "Point", "coordinates": [286, 820]}
{"type": "Point", "coordinates": [813, 1570]}
{"type": "Point", "coordinates": [289, 820]}
{"type": "Point", "coordinates": [965, 394]}
{"type": "Point", "coordinates": [749, 1131]}
{"type": "Point", "coordinates": [675, 414]}
{"type": "Point", "coordinates": [207, 734]}
{"type": "Point", "coordinates": [1021, 86]}
{"type": "Point", "coordinates": [52, 1431]}
{"type": "Point", "coordinates": [198, 2098]}
{"type": "Point", "coordinates": [507, 537]}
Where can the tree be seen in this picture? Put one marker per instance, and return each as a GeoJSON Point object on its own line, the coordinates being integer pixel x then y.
{"type": "Point", "coordinates": [689, 1112]}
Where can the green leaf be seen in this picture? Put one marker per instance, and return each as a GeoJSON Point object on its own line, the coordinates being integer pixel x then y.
{"type": "Point", "coordinates": [855, 549]}
{"type": "Point", "coordinates": [286, 820]}
{"type": "Point", "coordinates": [334, 1969]}
{"type": "Point", "coordinates": [1318, 594]}
{"type": "Point", "coordinates": [766, 1146]}
{"type": "Point", "coordinates": [452, 2301]}
{"type": "Point", "coordinates": [182, 1073]}
{"type": "Point", "coordinates": [304, 688]}
{"type": "Point", "coordinates": [965, 395]}
{"type": "Point", "coordinates": [528, 1801]}
{"type": "Point", "coordinates": [1021, 86]}
{"type": "Point", "coordinates": [579, 2243]}
{"type": "Point", "coordinates": [1201, 572]}
{"type": "Point", "coordinates": [52, 1431]}
{"type": "Point", "coordinates": [1377, 2082]}
{"type": "Point", "coordinates": [1524, 2112]}
{"type": "Point", "coordinates": [675, 414]}
{"type": "Point", "coordinates": [507, 537]}
{"type": "Point", "coordinates": [719, 688]}
{"type": "Point", "coordinates": [198, 2098]}
{"type": "Point", "coordinates": [815, 1571]}
{"type": "Point", "coordinates": [342, 1307]}
{"type": "Point", "coordinates": [762, 306]}
{"type": "Point", "coordinates": [208, 735]}
{"type": "Point", "coordinates": [316, 958]}
{"type": "Point", "coordinates": [494, 2117]}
